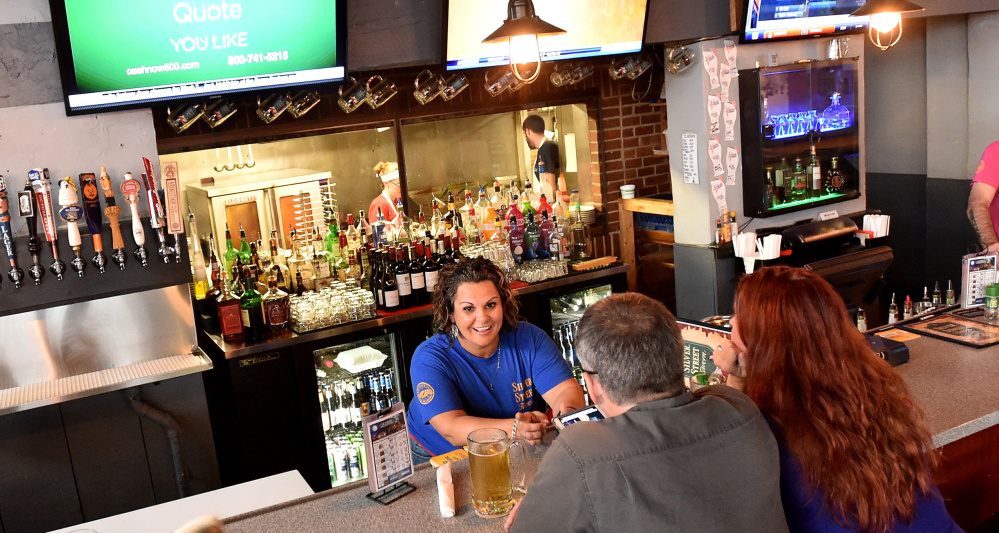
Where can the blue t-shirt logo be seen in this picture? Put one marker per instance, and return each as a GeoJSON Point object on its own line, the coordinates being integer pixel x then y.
{"type": "Point", "coordinates": [425, 393]}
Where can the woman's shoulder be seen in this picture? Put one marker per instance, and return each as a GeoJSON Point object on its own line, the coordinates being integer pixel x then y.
{"type": "Point", "coordinates": [435, 347]}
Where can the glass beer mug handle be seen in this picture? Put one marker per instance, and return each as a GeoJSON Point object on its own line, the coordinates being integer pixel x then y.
{"type": "Point", "coordinates": [372, 81]}
{"type": "Point", "coordinates": [420, 78]}
{"type": "Point", "coordinates": [349, 83]}
{"type": "Point", "coordinates": [523, 464]}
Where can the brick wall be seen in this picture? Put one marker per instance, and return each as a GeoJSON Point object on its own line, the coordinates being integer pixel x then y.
{"type": "Point", "coordinates": [631, 131]}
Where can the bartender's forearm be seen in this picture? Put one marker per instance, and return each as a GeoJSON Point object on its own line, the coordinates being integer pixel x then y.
{"type": "Point", "coordinates": [456, 425]}
{"type": "Point", "coordinates": [981, 221]}
{"type": "Point", "coordinates": [548, 184]}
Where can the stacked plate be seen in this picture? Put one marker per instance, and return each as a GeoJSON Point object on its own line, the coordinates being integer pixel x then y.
{"type": "Point", "coordinates": [588, 214]}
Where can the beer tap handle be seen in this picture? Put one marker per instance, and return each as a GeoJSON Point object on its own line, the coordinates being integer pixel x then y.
{"type": "Point", "coordinates": [95, 219]}
{"type": "Point", "coordinates": [15, 274]}
{"type": "Point", "coordinates": [131, 188]}
{"type": "Point", "coordinates": [42, 185]}
{"type": "Point", "coordinates": [112, 211]}
{"type": "Point", "coordinates": [71, 213]}
{"type": "Point", "coordinates": [26, 207]}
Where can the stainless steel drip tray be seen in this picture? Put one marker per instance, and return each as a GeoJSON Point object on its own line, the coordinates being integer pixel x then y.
{"type": "Point", "coordinates": [70, 388]}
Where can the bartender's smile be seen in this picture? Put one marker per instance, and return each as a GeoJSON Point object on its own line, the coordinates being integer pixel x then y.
{"type": "Point", "coordinates": [478, 316]}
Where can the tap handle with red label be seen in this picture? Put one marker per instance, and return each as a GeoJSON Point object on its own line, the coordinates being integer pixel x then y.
{"type": "Point", "coordinates": [26, 208]}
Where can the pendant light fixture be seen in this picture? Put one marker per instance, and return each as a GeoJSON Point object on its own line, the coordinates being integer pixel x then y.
{"type": "Point", "coordinates": [522, 29]}
{"type": "Point", "coordinates": [886, 20]}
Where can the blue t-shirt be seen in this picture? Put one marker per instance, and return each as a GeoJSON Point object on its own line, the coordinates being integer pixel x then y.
{"type": "Point", "coordinates": [448, 378]}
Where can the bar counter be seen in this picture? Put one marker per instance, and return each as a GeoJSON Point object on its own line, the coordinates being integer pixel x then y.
{"type": "Point", "coordinates": [946, 379]}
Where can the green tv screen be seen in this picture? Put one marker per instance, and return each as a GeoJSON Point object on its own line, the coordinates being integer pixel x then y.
{"type": "Point", "coordinates": [117, 54]}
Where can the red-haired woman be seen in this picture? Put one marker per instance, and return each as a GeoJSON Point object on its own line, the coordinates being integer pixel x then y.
{"type": "Point", "coordinates": [856, 454]}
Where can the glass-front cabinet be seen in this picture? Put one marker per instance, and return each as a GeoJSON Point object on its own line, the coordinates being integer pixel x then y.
{"type": "Point", "coordinates": [800, 136]}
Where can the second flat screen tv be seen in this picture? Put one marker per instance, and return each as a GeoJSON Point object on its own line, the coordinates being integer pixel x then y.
{"type": "Point", "coordinates": [778, 20]}
{"type": "Point", "coordinates": [118, 54]}
{"type": "Point", "coordinates": [593, 28]}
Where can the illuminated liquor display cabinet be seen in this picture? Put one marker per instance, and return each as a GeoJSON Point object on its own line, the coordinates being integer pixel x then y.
{"type": "Point", "coordinates": [786, 111]}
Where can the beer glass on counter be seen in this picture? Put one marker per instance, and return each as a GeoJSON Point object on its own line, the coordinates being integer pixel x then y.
{"type": "Point", "coordinates": [489, 468]}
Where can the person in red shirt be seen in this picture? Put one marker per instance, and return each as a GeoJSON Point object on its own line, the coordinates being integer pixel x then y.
{"type": "Point", "coordinates": [388, 172]}
{"type": "Point", "coordinates": [983, 204]}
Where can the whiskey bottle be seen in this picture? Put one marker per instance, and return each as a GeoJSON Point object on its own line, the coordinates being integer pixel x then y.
{"type": "Point", "coordinates": [230, 316]}
{"type": "Point", "coordinates": [251, 308]}
{"type": "Point", "coordinates": [277, 308]}
{"type": "Point", "coordinates": [835, 180]}
{"type": "Point", "coordinates": [815, 174]}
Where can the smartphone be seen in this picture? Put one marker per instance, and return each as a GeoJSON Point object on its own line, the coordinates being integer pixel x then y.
{"type": "Point", "coordinates": [585, 414]}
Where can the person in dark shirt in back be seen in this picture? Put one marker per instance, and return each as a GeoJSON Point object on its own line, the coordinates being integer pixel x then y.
{"type": "Point", "coordinates": [664, 459]}
{"type": "Point", "coordinates": [548, 164]}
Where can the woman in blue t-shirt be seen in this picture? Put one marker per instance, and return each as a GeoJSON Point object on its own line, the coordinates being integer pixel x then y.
{"type": "Point", "coordinates": [484, 368]}
{"type": "Point", "coordinates": [856, 455]}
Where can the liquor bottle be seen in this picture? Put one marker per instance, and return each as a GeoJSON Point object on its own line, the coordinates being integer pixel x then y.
{"type": "Point", "coordinates": [528, 205]}
{"type": "Point", "coordinates": [331, 242]}
{"type": "Point", "coordinates": [365, 246]}
{"type": "Point", "coordinates": [341, 263]}
{"type": "Point", "coordinates": [375, 279]}
{"type": "Point", "coordinates": [482, 204]}
{"type": "Point", "coordinates": [300, 266]}
{"type": "Point", "coordinates": [925, 304]}
{"type": "Point", "coordinates": [277, 307]}
{"type": "Point", "coordinates": [198, 263]}
{"type": "Point", "coordinates": [835, 180]}
{"type": "Point", "coordinates": [322, 265]}
{"type": "Point", "coordinates": [892, 311]}
{"type": "Point", "coordinates": [532, 236]}
{"type": "Point", "coordinates": [719, 234]}
{"type": "Point", "coordinates": [463, 213]}
{"type": "Point", "coordinates": [488, 223]}
{"type": "Point", "coordinates": [389, 284]}
{"type": "Point", "coordinates": [254, 261]}
{"type": "Point", "coordinates": [937, 296]}
{"type": "Point", "coordinates": [861, 320]}
{"type": "Point", "coordinates": [352, 274]}
{"type": "Point", "coordinates": [556, 242]}
{"type": "Point", "coordinates": [581, 250]}
{"type": "Point", "coordinates": [783, 181]}
{"type": "Point", "coordinates": [229, 256]}
{"type": "Point", "coordinates": [907, 308]}
{"type": "Point", "coordinates": [416, 275]}
{"type": "Point", "coordinates": [436, 219]}
{"type": "Point", "coordinates": [264, 261]}
{"type": "Point", "coordinates": [244, 246]}
{"type": "Point", "coordinates": [473, 233]}
{"type": "Point", "coordinates": [299, 284]}
{"type": "Point", "coordinates": [513, 212]}
{"type": "Point", "coordinates": [378, 233]}
{"type": "Point", "coordinates": [353, 234]}
{"type": "Point", "coordinates": [800, 187]}
{"type": "Point", "coordinates": [836, 116]}
{"type": "Point", "coordinates": [815, 173]}
{"type": "Point", "coordinates": [950, 298]}
{"type": "Point", "coordinates": [430, 270]}
{"type": "Point", "coordinates": [515, 199]}
{"type": "Point", "coordinates": [230, 314]}
{"type": "Point", "coordinates": [279, 264]}
{"type": "Point", "coordinates": [402, 224]}
{"type": "Point", "coordinates": [209, 310]}
{"type": "Point", "coordinates": [420, 231]}
{"type": "Point", "coordinates": [545, 233]}
{"type": "Point", "coordinates": [543, 205]}
{"type": "Point", "coordinates": [769, 192]}
{"type": "Point", "coordinates": [516, 240]}
{"type": "Point", "coordinates": [402, 278]}
{"type": "Point", "coordinates": [251, 308]}
{"type": "Point", "coordinates": [496, 200]}
{"type": "Point", "coordinates": [451, 217]}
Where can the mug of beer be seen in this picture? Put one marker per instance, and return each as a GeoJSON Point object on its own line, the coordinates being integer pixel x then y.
{"type": "Point", "coordinates": [498, 81]}
{"type": "Point", "coordinates": [454, 85]}
{"type": "Point", "coordinates": [489, 467]}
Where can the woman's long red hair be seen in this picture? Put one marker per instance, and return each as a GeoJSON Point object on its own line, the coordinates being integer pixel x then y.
{"type": "Point", "coordinates": [843, 413]}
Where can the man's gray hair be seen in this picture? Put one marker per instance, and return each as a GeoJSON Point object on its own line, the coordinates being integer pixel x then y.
{"type": "Point", "coordinates": [633, 344]}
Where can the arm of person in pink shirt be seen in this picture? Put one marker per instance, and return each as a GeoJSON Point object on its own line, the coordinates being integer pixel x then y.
{"type": "Point", "coordinates": [981, 197]}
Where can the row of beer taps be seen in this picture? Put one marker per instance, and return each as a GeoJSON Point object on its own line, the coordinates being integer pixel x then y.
{"type": "Point", "coordinates": [35, 202]}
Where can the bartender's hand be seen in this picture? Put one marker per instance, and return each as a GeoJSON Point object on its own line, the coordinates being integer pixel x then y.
{"type": "Point", "coordinates": [732, 361]}
{"type": "Point", "coordinates": [512, 516]}
{"type": "Point", "coordinates": [532, 426]}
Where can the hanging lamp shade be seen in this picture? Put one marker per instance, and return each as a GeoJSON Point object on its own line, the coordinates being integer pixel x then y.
{"type": "Point", "coordinates": [875, 7]}
{"type": "Point", "coordinates": [521, 20]}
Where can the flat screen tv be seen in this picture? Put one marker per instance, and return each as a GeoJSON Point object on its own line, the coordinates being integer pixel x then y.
{"type": "Point", "coordinates": [119, 54]}
{"type": "Point", "coordinates": [778, 20]}
{"type": "Point", "coordinates": [593, 28]}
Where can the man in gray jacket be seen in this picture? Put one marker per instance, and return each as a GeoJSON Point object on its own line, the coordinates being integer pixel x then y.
{"type": "Point", "coordinates": [664, 459]}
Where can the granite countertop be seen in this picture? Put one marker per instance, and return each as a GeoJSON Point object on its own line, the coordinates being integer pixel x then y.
{"type": "Point", "coordinates": [950, 383]}
{"type": "Point", "coordinates": [347, 509]}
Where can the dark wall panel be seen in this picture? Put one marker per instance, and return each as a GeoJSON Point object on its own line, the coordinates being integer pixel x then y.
{"type": "Point", "coordinates": [948, 232]}
{"type": "Point", "coordinates": [903, 197]}
{"type": "Point", "coordinates": [34, 468]}
{"type": "Point", "coordinates": [109, 458]}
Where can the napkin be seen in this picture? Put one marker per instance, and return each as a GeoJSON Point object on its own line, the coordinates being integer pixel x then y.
{"type": "Point", "coordinates": [878, 225]}
{"type": "Point", "coordinates": [445, 490]}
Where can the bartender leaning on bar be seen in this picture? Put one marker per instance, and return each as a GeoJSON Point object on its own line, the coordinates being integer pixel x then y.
{"type": "Point", "coordinates": [484, 368]}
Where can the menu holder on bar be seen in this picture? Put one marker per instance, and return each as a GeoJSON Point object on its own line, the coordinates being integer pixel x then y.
{"type": "Point", "coordinates": [389, 462]}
